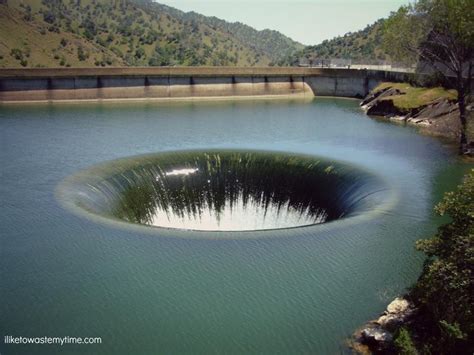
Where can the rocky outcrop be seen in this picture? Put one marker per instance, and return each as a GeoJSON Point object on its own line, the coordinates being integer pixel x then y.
{"type": "Point", "coordinates": [377, 335]}
{"type": "Point", "coordinates": [439, 117]}
{"type": "Point", "coordinates": [377, 104]}
{"type": "Point", "coordinates": [398, 312]}
{"type": "Point", "coordinates": [384, 108]}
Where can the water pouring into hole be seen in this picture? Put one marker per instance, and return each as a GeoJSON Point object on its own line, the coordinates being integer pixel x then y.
{"type": "Point", "coordinates": [225, 190]}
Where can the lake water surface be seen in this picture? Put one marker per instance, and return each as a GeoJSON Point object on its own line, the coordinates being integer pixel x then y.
{"type": "Point", "coordinates": [148, 290]}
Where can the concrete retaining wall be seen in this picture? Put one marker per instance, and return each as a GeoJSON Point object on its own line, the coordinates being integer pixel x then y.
{"type": "Point", "coordinates": [18, 85]}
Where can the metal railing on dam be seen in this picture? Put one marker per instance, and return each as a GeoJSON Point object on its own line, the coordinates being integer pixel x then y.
{"type": "Point", "coordinates": [118, 83]}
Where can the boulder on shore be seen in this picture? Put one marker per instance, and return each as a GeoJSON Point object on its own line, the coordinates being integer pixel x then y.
{"type": "Point", "coordinates": [375, 96]}
{"type": "Point", "coordinates": [377, 335]}
{"type": "Point", "coordinates": [398, 311]}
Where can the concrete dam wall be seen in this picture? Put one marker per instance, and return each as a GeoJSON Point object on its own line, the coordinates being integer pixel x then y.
{"type": "Point", "coordinates": [21, 85]}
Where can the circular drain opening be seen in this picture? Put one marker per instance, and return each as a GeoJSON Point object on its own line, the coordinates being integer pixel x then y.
{"type": "Point", "coordinates": [224, 190]}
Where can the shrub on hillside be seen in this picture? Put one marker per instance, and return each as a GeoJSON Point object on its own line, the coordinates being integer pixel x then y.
{"type": "Point", "coordinates": [444, 292]}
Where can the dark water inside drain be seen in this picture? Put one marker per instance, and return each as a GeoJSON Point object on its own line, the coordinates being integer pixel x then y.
{"type": "Point", "coordinates": [230, 190]}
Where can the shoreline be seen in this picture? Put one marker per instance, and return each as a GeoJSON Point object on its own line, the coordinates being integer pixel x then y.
{"type": "Point", "coordinates": [299, 96]}
{"type": "Point", "coordinates": [378, 335]}
{"type": "Point", "coordinates": [437, 116]}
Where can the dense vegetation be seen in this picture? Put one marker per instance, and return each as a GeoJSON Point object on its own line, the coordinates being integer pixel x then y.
{"type": "Point", "coordinates": [361, 46]}
{"type": "Point", "coordinates": [444, 293]}
{"type": "Point", "coordinates": [128, 32]}
{"type": "Point", "coordinates": [275, 45]}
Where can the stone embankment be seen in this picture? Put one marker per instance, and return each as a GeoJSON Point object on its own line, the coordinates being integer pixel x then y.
{"type": "Point", "coordinates": [376, 337]}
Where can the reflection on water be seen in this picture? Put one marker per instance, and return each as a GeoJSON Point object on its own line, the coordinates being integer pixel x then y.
{"type": "Point", "coordinates": [230, 190]}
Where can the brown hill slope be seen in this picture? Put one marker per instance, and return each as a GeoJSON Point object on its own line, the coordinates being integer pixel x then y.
{"type": "Point", "coordinates": [128, 32]}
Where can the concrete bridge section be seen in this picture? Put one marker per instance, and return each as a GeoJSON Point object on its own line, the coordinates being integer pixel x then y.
{"type": "Point", "coordinates": [65, 84]}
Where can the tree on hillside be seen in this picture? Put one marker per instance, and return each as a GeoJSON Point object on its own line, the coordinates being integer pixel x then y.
{"type": "Point", "coordinates": [441, 34]}
{"type": "Point", "coordinates": [444, 292]}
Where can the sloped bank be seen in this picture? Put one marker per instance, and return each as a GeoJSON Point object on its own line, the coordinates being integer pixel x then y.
{"type": "Point", "coordinates": [433, 110]}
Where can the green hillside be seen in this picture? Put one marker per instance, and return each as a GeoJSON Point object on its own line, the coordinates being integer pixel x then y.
{"type": "Point", "coordinates": [363, 46]}
{"type": "Point", "coordinates": [272, 43]}
{"type": "Point", "coordinates": [85, 33]}
{"type": "Point", "coordinates": [52, 33]}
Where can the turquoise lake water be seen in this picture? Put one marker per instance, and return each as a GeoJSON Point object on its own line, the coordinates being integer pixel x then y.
{"type": "Point", "coordinates": [148, 290]}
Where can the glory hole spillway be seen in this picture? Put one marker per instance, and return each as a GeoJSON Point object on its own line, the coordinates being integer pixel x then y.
{"type": "Point", "coordinates": [225, 190]}
{"type": "Point", "coordinates": [239, 226]}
